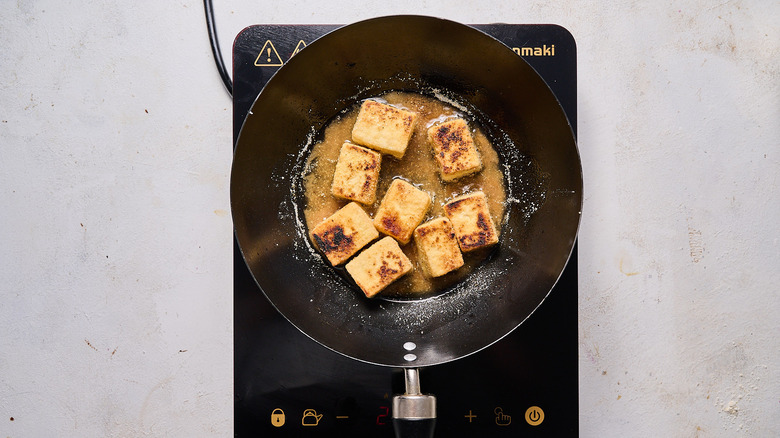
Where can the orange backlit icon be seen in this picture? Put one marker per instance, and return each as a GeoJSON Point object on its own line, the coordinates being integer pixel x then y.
{"type": "Point", "coordinates": [534, 415]}
{"type": "Point", "coordinates": [310, 418]}
{"type": "Point", "coordinates": [501, 418]}
{"type": "Point", "coordinates": [268, 56]}
{"type": "Point", "coordinates": [298, 48]}
{"type": "Point", "coordinates": [277, 417]}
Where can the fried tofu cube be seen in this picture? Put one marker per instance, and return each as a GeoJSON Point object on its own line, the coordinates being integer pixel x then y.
{"type": "Point", "coordinates": [454, 149]}
{"type": "Point", "coordinates": [470, 216]}
{"type": "Point", "coordinates": [357, 174]}
{"type": "Point", "coordinates": [379, 265]}
{"type": "Point", "coordinates": [438, 247]}
{"type": "Point", "coordinates": [402, 208]}
{"type": "Point", "coordinates": [342, 234]}
{"type": "Point", "coordinates": [384, 127]}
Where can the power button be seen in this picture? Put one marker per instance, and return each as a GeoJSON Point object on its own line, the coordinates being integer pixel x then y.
{"type": "Point", "coordinates": [534, 415]}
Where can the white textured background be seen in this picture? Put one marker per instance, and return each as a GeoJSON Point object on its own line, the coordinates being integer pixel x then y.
{"type": "Point", "coordinates": [115, 281]}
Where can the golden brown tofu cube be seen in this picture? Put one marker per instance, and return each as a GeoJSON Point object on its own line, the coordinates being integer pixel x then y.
{"type": "Point", "coordinates": [471, 221]}
{"type": "Point", "coordinates": [438, 247]}
{"type": "Point", "coordinates": [357, 174]}
{"type": "Point", "coordinates": [384, 127]}
{"type": "Point", "coordinates": [454, 149]}
{"type": "Point", "coordinates": [402, 208]}
{"type": "Point", "coordinates": [379, 265]}
{"type": "Point", "coordinates": [342, 234]}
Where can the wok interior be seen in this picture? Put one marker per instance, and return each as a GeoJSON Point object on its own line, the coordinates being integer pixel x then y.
{"type": "Point", "coordinates": [426, 55]}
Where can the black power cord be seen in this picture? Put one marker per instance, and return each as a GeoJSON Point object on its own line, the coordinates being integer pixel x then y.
{"type": "Point", "coordinates": [215, 47]}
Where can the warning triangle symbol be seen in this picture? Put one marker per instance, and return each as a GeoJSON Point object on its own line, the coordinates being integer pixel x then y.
{"type": "Point", "coordinates": [298, 48]}
{"type": "Point", "coordinates": [268, 56]}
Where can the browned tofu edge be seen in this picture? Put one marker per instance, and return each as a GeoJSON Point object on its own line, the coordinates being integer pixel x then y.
{"type": "Point", "coordinates": [391, 224]}
{"type": "Point", "coordinates": [378, 253]}
{"type": "Point", "coordinates": [373, 112]}
{"type": "Point", "coordinates": [486, 233]}
{"type": "Point", "coordinates": [452, 142]}
{"type": "Point", "coordinates": [339, 244]}
{"type": "Point", "coordinates": [370, 161]}
{"type": "Point", "coordinates": [438, 227]}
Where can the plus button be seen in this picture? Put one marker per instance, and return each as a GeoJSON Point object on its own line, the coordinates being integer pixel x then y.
{"type": "Point", "coordinates": [470, 416]}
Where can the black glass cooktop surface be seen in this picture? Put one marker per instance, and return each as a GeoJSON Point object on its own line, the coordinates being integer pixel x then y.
{"type": "Point", "coordinates": [287, 385]}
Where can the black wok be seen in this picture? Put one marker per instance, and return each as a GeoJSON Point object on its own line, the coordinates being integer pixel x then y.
{"type": "Point", "coordinates": [515, 108]}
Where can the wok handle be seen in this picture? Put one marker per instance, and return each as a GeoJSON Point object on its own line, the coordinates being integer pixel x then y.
{"type": "Point", "coordinates": [414, 428]}
{"type": "Point", "coordinates": [414, 414]}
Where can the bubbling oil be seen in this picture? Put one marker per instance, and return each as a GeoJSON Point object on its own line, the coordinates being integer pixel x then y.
{"type": "Point", "coordinates": [419, 167]}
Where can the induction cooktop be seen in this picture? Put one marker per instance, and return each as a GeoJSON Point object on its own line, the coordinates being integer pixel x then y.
{"type": "Point", "coordinates": [287, 385]}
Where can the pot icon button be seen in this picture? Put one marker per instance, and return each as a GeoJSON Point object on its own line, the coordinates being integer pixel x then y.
{"type": "Point", "coordinates": [277, 417]}
{"type": "Point", "coordinates": [310, 418]}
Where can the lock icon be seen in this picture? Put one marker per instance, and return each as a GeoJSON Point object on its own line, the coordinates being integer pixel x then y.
{"type": "Point", "coordinates": [277, 417]}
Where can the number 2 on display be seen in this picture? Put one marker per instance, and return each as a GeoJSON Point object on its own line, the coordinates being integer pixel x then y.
{"type": "Point", "coordinates": [380, 419]}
